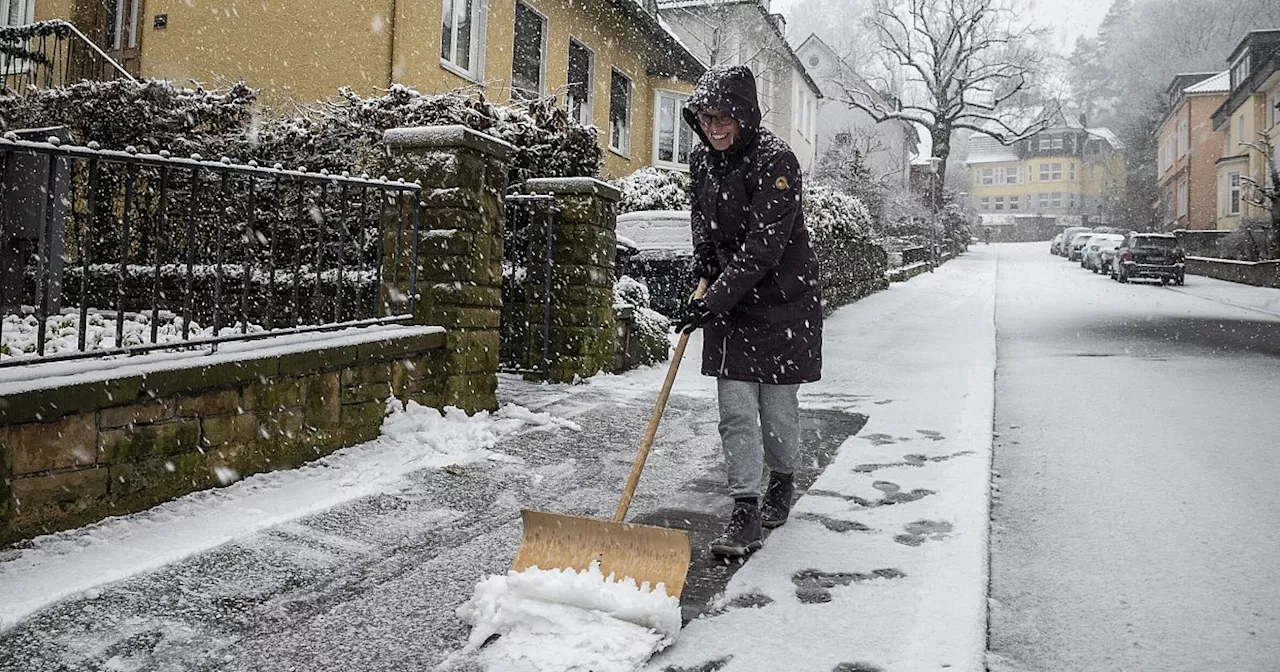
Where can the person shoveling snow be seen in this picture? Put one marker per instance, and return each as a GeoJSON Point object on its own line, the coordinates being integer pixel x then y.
{"type": "Point", "coordinates": [562, 620]}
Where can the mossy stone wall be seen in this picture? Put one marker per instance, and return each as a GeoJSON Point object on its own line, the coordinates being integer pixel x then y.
{"type": "Point", "coordinates": [463, 175]}
{"type": "Point", "coordinates": [74, 454]}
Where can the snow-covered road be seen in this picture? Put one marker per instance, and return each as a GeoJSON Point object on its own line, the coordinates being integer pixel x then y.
{"type": "Point", "coordinates": [1137, 521]}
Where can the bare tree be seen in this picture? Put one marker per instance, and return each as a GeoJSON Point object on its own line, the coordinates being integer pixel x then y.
{"type": "Point", "coordinates": [1266, 194]}
{"type": "Point", "coordinates": [973, 66]}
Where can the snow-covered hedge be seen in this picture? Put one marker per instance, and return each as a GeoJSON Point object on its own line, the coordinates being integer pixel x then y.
{"type": "Point", "coordinates": [653, 189]}
{"type": "Point", "coordinates": [648, 343]}
{"type": "Point", "coordinates": [345, 135]}
{"type": "Point", "coordinates": [832, 215]}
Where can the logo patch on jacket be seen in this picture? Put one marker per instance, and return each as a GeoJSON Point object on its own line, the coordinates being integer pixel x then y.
{"type": "Point", "coordinates": [781, 183]}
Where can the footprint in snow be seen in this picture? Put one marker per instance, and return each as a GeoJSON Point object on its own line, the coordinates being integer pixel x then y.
{"type": "Point", "coordinates": [923, 530]}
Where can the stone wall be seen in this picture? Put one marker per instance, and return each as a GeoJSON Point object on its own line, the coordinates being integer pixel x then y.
{"type": "Point", "coordinates": [459, 277]}
{"type": "Point", "coordinates": [119, 440]}
{"type": "Point", "coordinates": [583, 253]}
{"type": "Point", "coordinates": [1256, 273]}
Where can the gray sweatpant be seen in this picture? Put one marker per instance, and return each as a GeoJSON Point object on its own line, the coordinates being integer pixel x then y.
{"type": "Point", "coordinates": [759, 425]}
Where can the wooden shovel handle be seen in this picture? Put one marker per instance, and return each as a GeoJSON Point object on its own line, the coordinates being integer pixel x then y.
{"type": "Point", "coordinates": [658, 407]}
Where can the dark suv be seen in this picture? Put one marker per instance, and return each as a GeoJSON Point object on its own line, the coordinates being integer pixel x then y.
{"type": "Point", "coordinates": [1155, 256]}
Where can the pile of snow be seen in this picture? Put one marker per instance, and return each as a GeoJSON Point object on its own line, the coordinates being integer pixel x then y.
{"type": "Point", "coordinates": [657, 229]}
{"type": "Point", "coordinates": [62, 331]}
{"type": "Point", "coordinates": [569, 621]}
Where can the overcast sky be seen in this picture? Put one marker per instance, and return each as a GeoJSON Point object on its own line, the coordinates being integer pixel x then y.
{"type": "Point", "coordinates": [1070, 18]}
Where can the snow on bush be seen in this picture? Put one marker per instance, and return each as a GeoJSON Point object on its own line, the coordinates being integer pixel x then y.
{"type": "Point", "coordinates": [832, 215]}
{"type": "Point", "coordinates": [627, 290]}
{"type": "Point", "coordinates": [653, 189]}
{"type": "Point", "coordinates": [649, 328]}
{"type": "Point", "coordinates": [18, 333]}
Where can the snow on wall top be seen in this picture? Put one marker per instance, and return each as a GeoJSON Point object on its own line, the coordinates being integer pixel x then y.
{"type": "Point", "coordinates": [657, 229]}
{"type": "Point", "coordinates": [441, 136]}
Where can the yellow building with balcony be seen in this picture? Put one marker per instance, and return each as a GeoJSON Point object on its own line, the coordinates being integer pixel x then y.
{"type": "Point", "coordinates": [1062, 171]}
{"type": "Point", "coordinates": [1251, 109]}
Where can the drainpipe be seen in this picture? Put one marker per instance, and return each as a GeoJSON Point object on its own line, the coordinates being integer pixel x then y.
{"type": "Point", "coordinates": [391, 50]}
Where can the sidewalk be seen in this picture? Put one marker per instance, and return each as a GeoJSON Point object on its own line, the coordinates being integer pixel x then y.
{"type": "Point", "coordinates": [1261, 299]}
{"type": "Point", "coordinates": [884, 564]}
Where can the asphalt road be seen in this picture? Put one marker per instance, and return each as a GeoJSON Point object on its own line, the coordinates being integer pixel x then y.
{"type": "Point", "coordinates": [1136, 512]}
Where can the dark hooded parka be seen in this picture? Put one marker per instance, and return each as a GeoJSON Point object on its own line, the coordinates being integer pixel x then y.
{"type": "Point", "coordinates": [748, 221]}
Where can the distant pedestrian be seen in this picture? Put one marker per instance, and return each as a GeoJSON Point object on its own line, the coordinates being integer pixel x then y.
{"type": "Point", "coordinates": [762, 315]}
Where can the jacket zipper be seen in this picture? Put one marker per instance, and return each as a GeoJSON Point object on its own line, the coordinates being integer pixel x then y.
{"type": "Point", "coordinates": [724, 354]}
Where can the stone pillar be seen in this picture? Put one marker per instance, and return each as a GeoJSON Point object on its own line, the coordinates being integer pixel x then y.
{"type": "Point", "coordinates": [464, 176]}
{"type": "Point", "coordinates": [585, 244]}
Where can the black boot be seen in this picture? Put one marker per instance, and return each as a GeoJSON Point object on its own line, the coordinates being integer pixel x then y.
{"type": "Point", "coordinates": [743, 533]}
{"type": "Point", "coordinates": [777, 499]}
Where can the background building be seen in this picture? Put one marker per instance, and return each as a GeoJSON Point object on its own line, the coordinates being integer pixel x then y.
{"type": "Point", "coordinates": [887, 147]}
{"type": "Point", "coordinates": [743, 32]}
{"type": "Point", "coordinates": [1067, 169]}
{"type": "Point", "coordinates": [1188, 151]}
{"type": "Point", "coordinates": [1250, 109]}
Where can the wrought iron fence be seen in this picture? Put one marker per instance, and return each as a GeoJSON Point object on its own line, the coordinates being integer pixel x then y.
{"type": "Point", "coordinates": [156, 251]}
{"type": "Point", "coordinates": [49, 54]}
{"type": "Point", "coordinates": [528, 268]}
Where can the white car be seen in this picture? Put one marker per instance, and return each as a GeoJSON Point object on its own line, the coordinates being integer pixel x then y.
{"type": "Point", "coordinates": [1099, 244]}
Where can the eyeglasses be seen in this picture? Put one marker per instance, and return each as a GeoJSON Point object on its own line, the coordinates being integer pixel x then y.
{"type": "Point", "coordinates": [719, 119]}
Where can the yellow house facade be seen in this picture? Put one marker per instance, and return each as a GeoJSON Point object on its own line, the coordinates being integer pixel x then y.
{"type": "Point", "coordinates": [1251, 109]}
{"type": "Point", "coordinates": [1066, 170]}
{"type": "Point", "coordinates": [610, 62]}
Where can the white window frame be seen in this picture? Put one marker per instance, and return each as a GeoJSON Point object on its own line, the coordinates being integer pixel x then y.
{"type": "Point", "coordinates": [985, 202]}
{"type": "Point", "coordinates": [988, 176]}
{"type": "Point", "coordinates": [1273, 114]}
{"type": "Point", "coordinates": [1013, 175]}
{"type": "Point", "coordinates": [1055, 199]}
{"type": "Point", "coordinates": [1044, 200]}
{"type": "Point", "coordinates": [1231, 204]}
{"type": "Point", "coordinates": [1184, 138]}
{"type": "Point", "coordinates": [1014, 203]}
{"type": "Point", "coordinates": [1184, 203]}
{"type": "Point", "coordinates": [679, 100]}
{"type": "Point", "coordinates": [131, 16]}
{"type": "Point", "coordinates": [479, 23]}
{"type": "Point", "coordinates": [1045, 142]}
{"type": "Point", "coordinates": [1050, 172]}
{"type": "Point", "coordinates": [28, 9]}
{"type": "Point", "coordinates": [622, 149]}
{"type": "Point", "coordinates": [542, 54]}
{"type": "Point", "coordinates": [998, 202]}
{"type": "Point", "coordinates": [1057, 142]}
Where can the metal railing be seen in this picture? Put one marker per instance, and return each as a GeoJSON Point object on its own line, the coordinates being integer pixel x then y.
{"type": "Point", "coordinates": [161, 252]}
{"type": "Point", "coordinates": [528, 269]}
{"type": "Point", "coordinates": [49, 54]}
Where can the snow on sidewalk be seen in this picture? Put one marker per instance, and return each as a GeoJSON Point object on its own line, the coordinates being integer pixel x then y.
{"type": "Point", "coordinates": [884, 562]}
{"type": "Point", "coordinates": [1261, 299]}
{"type": "Point", "coordinates": [52, 567]}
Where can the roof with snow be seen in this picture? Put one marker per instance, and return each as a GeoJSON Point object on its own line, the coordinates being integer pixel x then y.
{"type": "Point", "coordinates": [1106, 134]}
{"type": "Point", "coordinates": [986, 149]}
{"type": "Point", "coordinates": [1219, 83]}
{"type": "Point", "coordinates": [680, 61]}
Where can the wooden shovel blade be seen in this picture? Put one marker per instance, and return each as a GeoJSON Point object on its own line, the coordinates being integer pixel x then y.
{"type": "Point", "coordinates": [641, 552]}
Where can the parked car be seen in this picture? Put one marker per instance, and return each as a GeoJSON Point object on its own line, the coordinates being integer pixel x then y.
{"type": "Point", "coordinates": [1068, 235]}
{"type": "Point", "coordinates": [1107, 255]}
{"type": "Point", "coordinates": [1092, 258]}
{"type": "Point", "coordinates": [1055, 245]}
{"type": "Point", "coordinates": [1075, 250]}
{"type": "Point", "coordinates": [1155, 256]}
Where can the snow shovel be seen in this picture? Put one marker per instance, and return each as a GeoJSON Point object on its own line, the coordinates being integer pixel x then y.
{"type": "Point", "coordinates": [641, 552]}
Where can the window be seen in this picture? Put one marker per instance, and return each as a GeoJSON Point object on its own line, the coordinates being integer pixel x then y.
{"type": "Point", "coordinates": [999, 202]}
{"type": "Point", "coordinates": [1240, 71]}
{"type": "Point", "coordinates": [527, 53]}
{"type": "Point", "coordinates": [581, 70]}
{"type": "Point", "coordinates": [1240, 128]}
{"type": "Point", "coordinates": [1045, 142]}
{"type": "Point", "coordinates": [1013, 175]}
{"type": "Point", "coordinates": [674, 138]}
{"type": "Point", "coordinates": [1055, 199]}
{"type": "Point", "coordinates": [122, 24]}
{"type": "Point", "coordinates": [619, 112]}
{"type": "Point", "coordinates": [1182, 198]}
{"type": "Point", "coordinates": [1233, 193]}
{"type": "Point", "coordinates": [462, 35]}
{"type": "Point", "coordinates": [1170, 149]}
{"type": "Point", "coordinates": [1050, 171]}
{"type": "Point", "coordinates": [1184, 138]}
{"type": "Point", "coordinates": [1071, 200]}
{"type": "Point", "coordinates": [1044, 201]}
{"type": "Point", "coordinates": [1073, 170]}
{"type": "Point", "coordinates": [986, 202]}
{"type": "Point", "coordinates": [988, 176]}
{"type": "Point", "coordinates": [1013, 202]}
{"type": "Point", "coordinates": [1057, 142]}
{"type": "Point", "coordinates": [1161, 159]}
{"type": "Point", "coordinates": [16, 13]}
{"type": "Point", "coordinates": [1273, 109]}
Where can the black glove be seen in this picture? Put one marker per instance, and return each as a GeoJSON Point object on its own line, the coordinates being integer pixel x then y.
{"type": "Point", "coordinates": [694, 315]}
{"type": "Point", "coordinates": [706, 269]}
